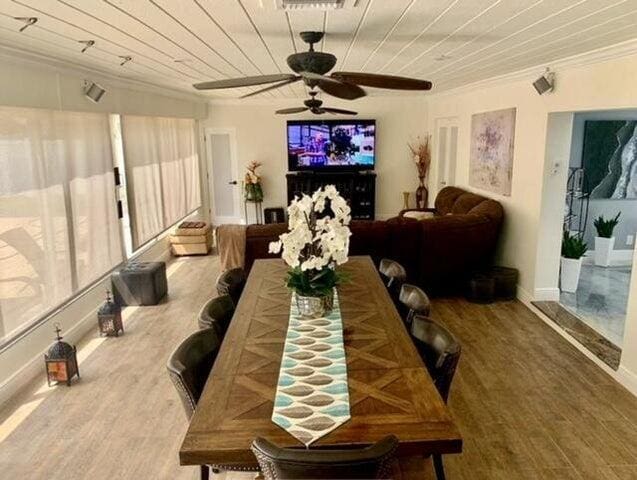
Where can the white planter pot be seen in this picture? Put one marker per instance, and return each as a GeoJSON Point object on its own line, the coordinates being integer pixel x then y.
{"type": "Point", "coordinates": [569, 274]}
{"type": "Point", "coordinates": [603, 250]}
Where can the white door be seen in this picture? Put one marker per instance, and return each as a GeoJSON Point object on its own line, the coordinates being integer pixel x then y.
{"type": "Point", "coordinates": [446, 150]}
{"type": "Point", "coordinates": [223, 176]}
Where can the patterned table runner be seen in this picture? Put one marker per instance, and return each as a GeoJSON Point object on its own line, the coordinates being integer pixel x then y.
{"type": "Point", "coordinates": [312, 396]}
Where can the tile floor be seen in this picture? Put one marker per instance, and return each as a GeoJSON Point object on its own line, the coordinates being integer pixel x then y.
{"type": "Point", "coordinates": [601, 299]}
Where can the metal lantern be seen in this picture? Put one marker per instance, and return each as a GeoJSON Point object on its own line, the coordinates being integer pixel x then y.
{"type": "Point", "coordinates": [61, 361]}
{"type": "Point", "coordinates": [109, 318]}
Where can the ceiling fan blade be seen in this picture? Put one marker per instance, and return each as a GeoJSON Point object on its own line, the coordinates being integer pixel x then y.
{"type": "Point", "coordinates": [339, 111]}
{"type": "Point", "coordinates": [244, 81]}
{"type": "Point", "coordinates": [382, 81]}
{"type": "Point", "coordinates": [346, 91]}
{"type": "Point", "coordinates": [286, 111]}
{"type": "Point", "coordinates": [272, 87]}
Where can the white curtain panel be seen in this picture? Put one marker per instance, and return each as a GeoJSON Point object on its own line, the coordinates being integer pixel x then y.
{"type": "Point", "coordinates": [162, 171]}
{"type": "Point", "coordinates": [58, 222]}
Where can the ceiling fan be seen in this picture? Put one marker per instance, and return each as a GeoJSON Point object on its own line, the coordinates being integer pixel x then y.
{"type": "Point", "coordinates": [314, 106]}
{"type": "Point", "coordinates": [311, 67]}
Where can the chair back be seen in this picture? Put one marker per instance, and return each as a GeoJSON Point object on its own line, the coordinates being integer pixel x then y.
{"type": "Point", "coordinates": [414, 302]}
{"type": "Point", "coordinates": [393, 275]}
{"type": "Point", "coordinates": [190, 364]}
{"type": "Point", "coordinates": [217, 313]}
{"type": "Point", "coordinates": [439, 350]}
{"type": "Point", "coordinates": [291, 463]}
{"type": "Point", "coordinates": [231, 282]}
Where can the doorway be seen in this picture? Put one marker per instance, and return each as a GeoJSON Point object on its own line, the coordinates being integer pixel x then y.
{"type": "Point", "coordinates": [223, 176]}
{"type": "Point", "coordinates": [446, 148]}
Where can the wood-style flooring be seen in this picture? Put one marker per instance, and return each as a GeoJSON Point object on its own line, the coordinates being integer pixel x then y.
{"type": "Point", "coordinates": [529, 405]}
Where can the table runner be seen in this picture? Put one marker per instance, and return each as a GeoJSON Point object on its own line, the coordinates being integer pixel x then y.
{"type": "Point", "coordinates": [312, 396]}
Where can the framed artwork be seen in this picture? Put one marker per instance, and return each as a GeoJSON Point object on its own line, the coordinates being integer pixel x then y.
{"type": "Point", "coordinates": [609, 158]}
{"type": "Point", "coordinates": [491, 155]}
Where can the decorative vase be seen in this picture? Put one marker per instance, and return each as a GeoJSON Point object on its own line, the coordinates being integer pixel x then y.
{"type": "Point", "coordinates": [422, 194]}
{"type": "Point", "coordinates": [406, 200]}
{"type": "Point", "coordinates": [569, 274]}
{"type": "Point", "coordinates": [253, 192]}
{"type": "Point", "coordinates": [604, 250]}
{"type": "Point", "coordinates": [314, 307]}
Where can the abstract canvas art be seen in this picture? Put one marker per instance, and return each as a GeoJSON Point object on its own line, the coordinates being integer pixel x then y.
{"type": "Point", "coordinates": [609, 158]}
{"type": "Point", "coordinates": [491, 156]}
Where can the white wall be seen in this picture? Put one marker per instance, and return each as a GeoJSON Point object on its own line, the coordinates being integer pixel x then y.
{"type": "Point", "coordinates": [261, 136]}
{"type": "Point", "coordinates": [27, 83]}
{"type": "Point", "coordinates": [604, 85]}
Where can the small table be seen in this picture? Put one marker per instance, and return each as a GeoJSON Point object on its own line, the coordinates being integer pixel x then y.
{"type": "Point", "coordinates": [390, 389]}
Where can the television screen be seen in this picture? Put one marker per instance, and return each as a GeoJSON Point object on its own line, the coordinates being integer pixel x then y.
{"type": "Point", "coordinates": [331, 145]}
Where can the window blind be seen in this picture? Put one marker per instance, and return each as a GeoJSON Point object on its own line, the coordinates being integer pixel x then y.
{"type": "Point", "coordinates": [58, 218]}
{"type": "Point", "coordinates": [162, 171]}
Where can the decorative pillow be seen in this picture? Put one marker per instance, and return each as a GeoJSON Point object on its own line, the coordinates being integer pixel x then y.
{"type": "Point", "coordinates": [416, 215]}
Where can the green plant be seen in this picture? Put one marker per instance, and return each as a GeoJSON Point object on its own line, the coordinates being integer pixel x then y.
{"type": "Point", "coordinates": [573, 246]}
{"type": "Point", "coordinates": [605, 227]}
{"type": "Point", "coordinates": [314, 283]}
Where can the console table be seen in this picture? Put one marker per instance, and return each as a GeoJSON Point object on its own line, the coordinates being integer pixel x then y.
{"type": "Point", "coordinates": [358, 188]}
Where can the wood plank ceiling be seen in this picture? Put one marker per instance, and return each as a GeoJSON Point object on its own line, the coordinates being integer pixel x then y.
{"type": "Point", "coordinates": [175, 43]}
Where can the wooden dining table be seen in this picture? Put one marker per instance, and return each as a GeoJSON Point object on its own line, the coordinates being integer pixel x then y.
{"type": "Point", "coordinates": [390, 389]}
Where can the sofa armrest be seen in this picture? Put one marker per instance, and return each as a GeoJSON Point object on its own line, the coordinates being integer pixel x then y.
{"type": "Point", "coordinates": [402, 212]}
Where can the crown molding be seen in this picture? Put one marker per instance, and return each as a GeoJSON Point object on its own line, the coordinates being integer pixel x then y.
{"type": "Point", "coordinates": [30, 58]}
{"type": "Point", "coordinates": [600, 55]}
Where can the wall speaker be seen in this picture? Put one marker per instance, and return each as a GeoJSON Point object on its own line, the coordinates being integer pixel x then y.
{"type": "Point", "coordinates": [93, 91]}
{"type": "Point", "coordinates": [545, 83]}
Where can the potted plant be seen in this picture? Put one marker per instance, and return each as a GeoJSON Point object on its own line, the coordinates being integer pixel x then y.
{"type": "Point", "coordinates": [604, 241]}
{"type": "Point", "coordinates": [573, 249]}
{"type": "Point", "coordinates": [252, 181]}
{"type": "Point", "coordinates": [316, 242]}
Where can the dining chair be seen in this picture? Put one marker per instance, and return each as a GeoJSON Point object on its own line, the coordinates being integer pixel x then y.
{"type": "Point", "coordinates": [440, 352]}
{"type": "Point", "coordinates": [231, 282]}
{"type": "Point", "coordinates": [414, 302]}
{"type": "Point", "coordinates": [277, 463]}
{"type": "Point", "coordinates": [217, 313]}
{"type": "Point", "coordinates": [393, 275]}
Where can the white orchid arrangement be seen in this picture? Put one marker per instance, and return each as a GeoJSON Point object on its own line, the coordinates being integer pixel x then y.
{"type": "Point", "coordinates": [317, 240]}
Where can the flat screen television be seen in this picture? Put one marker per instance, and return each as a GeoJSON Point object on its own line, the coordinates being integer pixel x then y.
{"type": "Point", "coordinates": [331, 145]}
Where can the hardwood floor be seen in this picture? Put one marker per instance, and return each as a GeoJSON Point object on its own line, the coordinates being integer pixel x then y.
{"type": "Point", "coordinates": [529, 405]}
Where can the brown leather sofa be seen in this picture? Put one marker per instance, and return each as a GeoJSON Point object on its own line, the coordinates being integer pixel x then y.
{"type": "Point", "coordinates": [439, 253]}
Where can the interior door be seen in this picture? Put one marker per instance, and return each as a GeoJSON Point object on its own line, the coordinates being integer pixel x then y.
{"type": "Point", "coordinates": [223, 182]}
{"type": "Point", "coordinates": [446, 151]}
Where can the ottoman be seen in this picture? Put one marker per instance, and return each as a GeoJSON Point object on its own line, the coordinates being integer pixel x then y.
{"type": "Point", "coordinates": [140, 283]}
{"type": "Point", "coordinates": [191, 238]}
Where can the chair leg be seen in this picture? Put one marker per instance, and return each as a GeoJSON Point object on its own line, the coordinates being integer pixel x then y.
{"type": "Point", "coordinates": [205, 472]}
{"type": "Point", "coordinates": [438, 467]}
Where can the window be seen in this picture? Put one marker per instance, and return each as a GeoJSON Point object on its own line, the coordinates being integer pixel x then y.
{"type": "Point", "coordinates": [58, 217]}
{"type": "Point", "coordinates": [162, 172]}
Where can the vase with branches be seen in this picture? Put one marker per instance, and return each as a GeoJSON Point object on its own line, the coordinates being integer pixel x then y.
{"type": "Point", "coordinates": [252, 183]}
{"type": "Point", "coordinates": [421, 154]}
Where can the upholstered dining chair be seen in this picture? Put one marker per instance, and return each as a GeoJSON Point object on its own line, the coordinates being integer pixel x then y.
{"type": "Point", "coordinates": [217, 313]}
{"type": "Point", "coordinates": [393, 275]}
{"type": "Point", "coordinates": [440, 352]}
{"type": "Point", "coordinates": [231, 282]}
{"type": "Point", "coordinates": [277, 463]}
{"type": "Point", "coordinates": [414, 302]}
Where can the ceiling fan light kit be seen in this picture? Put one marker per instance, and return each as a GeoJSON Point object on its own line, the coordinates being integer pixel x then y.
{"type": "Point", "coordinates": [312, 67]}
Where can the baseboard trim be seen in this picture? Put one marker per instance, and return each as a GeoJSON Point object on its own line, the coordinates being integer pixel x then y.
{"type": "Point", "coordinates": [623, 376]}
{"type": "Point", "coordinates": [620, 258]}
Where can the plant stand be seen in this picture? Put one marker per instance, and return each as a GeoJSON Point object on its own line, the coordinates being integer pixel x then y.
{"type": "Point", "coordinates": [258, 211]}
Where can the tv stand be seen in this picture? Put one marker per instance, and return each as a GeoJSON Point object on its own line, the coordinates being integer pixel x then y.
{"type": "Point", "coordinates": [358, 188]}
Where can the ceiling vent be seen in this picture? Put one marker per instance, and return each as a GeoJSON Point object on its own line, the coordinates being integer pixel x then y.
{"type": "Point", "coordinates": [291, 5]}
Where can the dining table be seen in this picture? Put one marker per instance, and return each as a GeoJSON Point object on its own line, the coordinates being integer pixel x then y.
{"type": "Point", "coordinates": [390, 389]}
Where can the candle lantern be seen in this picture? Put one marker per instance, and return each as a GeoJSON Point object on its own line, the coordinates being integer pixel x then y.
{"type": "Point", "coordinates": [109, 318]}
{"type": "Point", "coordinates": [61, 361]}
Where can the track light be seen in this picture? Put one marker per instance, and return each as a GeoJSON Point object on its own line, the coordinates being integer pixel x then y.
{"type": "Point", "coordinates": [87, 44]}
{"type": "Point", "coordinates": [28, 21]}
{"type": "Point", "coordinates": [125, 59]}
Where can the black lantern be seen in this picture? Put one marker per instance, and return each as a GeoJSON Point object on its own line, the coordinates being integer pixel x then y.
{"type": "Point", "coordinates": [109, 318]}
{"type": "Point", "coordinates": [61, 361]}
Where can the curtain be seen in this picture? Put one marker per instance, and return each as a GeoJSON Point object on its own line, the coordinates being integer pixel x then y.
{"type": "Point", "coordinates": [162, 172]}
{"type": "Point", "coordinates": [58, 221]}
